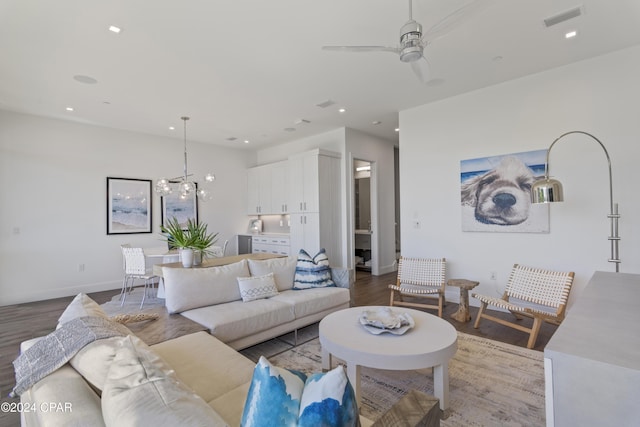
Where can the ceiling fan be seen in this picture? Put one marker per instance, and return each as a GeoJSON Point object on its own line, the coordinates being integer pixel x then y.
{"type": "Point", "coordinates": [413, 40]}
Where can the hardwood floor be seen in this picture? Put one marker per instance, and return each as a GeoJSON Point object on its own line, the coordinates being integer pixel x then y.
{"type": "Point", "coordinates": [24, 321]}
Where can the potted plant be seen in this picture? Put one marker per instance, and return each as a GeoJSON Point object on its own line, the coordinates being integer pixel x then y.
{"type": "Point", "coordinates": [202, 240]}
{"type": "Point", "coordinates": [181, 239]}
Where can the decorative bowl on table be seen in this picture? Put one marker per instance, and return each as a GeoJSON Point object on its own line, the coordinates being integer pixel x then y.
{"type": "Point", "coordinates": [383, 319]}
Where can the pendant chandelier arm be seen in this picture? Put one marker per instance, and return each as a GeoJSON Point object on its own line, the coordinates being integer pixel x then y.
{"type": "Point", "coordinates": [185, 118]}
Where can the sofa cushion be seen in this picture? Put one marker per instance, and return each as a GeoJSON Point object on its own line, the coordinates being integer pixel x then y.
{"type": "Point", "coordinates": [76, 404]}
{"type": "Point", "coordinates": [141, 389]}
{"type": "Point", "coordinates": [312, 272]}
{"type": "Point", "coordinates": [187, 288]}
{"type": "Point", "coordinates": [257, 287]}
{"type": "Point", "coordinates": [82, 305]}
{"type": "Point", "coordinates": [207, 365]}
{"type": "Point", "coordinates": [315, 300]}
{"type": "Point", "coordinates": [273, 397]}
{"type": "Point", "coordinates": [94, 359]}
{"type": "Point", "coordinates": [283, 270]}
{"type": "Point", "coordinates": [237, 319]}
{"type": "Point", "coordinates": [328, 399]}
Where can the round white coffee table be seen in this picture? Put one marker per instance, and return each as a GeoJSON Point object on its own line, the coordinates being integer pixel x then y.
{"type": "Point", "coordinates": [432, 342]}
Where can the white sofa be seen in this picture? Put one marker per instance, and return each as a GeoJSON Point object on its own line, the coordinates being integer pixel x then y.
{"type": "Point", "coordinates": [212, 297]}
{"type": "Point", "coordinates": [197, 363]}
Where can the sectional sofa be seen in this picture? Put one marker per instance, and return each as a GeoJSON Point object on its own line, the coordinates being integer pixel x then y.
{"type": "Point", "coordinates": [193, 380]}
{"type": "Point", "coordinates": [251, 301]}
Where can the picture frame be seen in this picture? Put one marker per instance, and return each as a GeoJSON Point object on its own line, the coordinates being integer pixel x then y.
{"type": "Point", "coordinates": [129, 208]}
{"type": "Point", "coordinates": [495, 193]}
{"type": "Point", "coordinates": [183, 209]}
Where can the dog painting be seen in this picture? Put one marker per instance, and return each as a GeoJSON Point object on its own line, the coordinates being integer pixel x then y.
{"type": "Point", "coordinates": [495, 193]}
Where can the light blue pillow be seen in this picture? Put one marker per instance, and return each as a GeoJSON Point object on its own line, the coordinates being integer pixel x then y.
{"type": "Point", "coordinates": [328, 400]}
{"type": "Point", "coordinates": [312, 272]}
{"type": "Point", "coordinates": [274, 396]}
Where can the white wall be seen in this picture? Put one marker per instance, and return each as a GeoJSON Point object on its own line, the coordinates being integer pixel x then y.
{"type": "Point", "coordinates": [599, 96]}
{"type": "Point", "coordinates": [53, 201]}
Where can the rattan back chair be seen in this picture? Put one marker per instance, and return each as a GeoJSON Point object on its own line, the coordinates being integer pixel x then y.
{"type": "Point", "coordinates": [532, 292]}
{"type": "Point", "coordinates": [420, 278]}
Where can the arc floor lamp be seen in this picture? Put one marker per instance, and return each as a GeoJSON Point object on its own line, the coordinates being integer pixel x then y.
{"type": "Point", "coordinates": [548, 190]}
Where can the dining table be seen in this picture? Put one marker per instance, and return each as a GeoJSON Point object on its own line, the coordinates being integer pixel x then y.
{"type": "Point", "coordinates": [216, 261]}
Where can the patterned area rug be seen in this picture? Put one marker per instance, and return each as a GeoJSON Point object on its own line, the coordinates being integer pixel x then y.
{"type": "Point", "coordinates": [132, 303]}
{"type": "Point", "coordinates": [490, 383]}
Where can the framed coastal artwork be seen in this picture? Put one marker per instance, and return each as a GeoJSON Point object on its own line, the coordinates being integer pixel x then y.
{"type": "Point", "coordinates": [495, 193]}
{"type": "Point", "coordinates": [128, 205]}
{"type": "Point", "coordinates": [182, 208]}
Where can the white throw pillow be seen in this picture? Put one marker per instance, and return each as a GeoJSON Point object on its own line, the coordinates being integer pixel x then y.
{"type": "Point", "coordinates": [257, 287]}
{"type": "Point", "coordinates": [142, 389]}
{"type": "Point", "coordinates": [81, 306]}
{"type": "Point", "coordinates": [283, 270]}
{"type": "Point", "coordinates": [187, 288]}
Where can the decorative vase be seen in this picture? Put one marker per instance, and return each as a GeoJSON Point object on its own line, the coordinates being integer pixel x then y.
{"type": "Point", "coordinates": [197, 258]}
{"type": "Point", "coordinates": [186, 256]}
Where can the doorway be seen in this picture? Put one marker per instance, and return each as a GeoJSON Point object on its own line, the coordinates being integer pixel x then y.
{"type": "Point", "coordinates": [364, 246]}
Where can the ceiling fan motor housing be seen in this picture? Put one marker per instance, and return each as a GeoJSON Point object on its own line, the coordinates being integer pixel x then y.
{"type": "Point", "coordinates": [410, 40]}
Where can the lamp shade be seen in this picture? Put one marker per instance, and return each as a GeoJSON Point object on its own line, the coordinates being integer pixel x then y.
{"type": "Point", "coordinates": [546, 190]}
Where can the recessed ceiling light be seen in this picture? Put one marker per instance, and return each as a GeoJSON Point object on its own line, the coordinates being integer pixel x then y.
{"type": "Point", "coordinates": [289, 129]}
{"type": "Point", "coordinates": [172, 128]}
{"type": "Point", "coordinates": [342, 110]}
{"type": "Point", "coordinates": [397, 129]}
{"type": "Point", "coordinates": [246, 141]}
{"type": "Point", "coordinates": [376, 122]}
{"type": "Point", "coordinates": [570, 34]}
{"type": "Point", "coordinates": [115, 29]}
{"type": "Point", "coordinates": [69, 108]}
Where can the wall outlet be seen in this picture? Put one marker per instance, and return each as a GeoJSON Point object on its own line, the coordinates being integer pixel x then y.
{"type": "Point", "coordinates": [416, 224]}
{"type": "Point", "coordinates": [80, 268]}
{"type": "Point", "coordinates": [493, 275]}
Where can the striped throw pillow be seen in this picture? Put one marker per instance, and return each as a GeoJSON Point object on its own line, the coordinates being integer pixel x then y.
{"type": "Point", "coordinates": [312, 272]}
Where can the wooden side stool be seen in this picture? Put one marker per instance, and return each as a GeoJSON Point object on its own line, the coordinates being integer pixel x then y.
{"type": "Point", "coordinates": [462, 315]}
{"type": "Point", "coordinates": [415, 409]}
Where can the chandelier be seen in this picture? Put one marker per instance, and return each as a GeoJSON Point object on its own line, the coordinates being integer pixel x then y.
{"type": "Point", "coordinates": [182, 184]}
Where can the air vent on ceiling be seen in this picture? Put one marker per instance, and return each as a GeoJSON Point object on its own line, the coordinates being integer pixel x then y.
{"type": "Point", "coordinates": [231, 138]}
{"type": "Point", "coordinates": [325, 104]}
{"type": "Point", "coordinates": [563, 16]}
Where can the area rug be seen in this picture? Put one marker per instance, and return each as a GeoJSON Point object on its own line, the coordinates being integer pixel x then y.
{"type": "Point", "coordinates": [490, 383]}
{"type": "Point", "coordinates": [132, 303]}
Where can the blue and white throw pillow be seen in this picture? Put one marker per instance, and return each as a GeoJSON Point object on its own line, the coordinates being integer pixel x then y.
{"type": "Point", "coordinates": [312, 272]}
{"type": "Point", "coordinates": [282, 397]}
{"type": "Point", "coordinates": [274, 396]}
{"type": "Point", "coordinates": [328, 400]}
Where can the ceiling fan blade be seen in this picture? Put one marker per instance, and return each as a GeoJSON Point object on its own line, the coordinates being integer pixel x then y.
{"type": "Point", "coordinates": [361, 49]}
{"type": "Point", "coordinates": [455, 19]}
{"type": "Point", "coordinates": [421, 69]}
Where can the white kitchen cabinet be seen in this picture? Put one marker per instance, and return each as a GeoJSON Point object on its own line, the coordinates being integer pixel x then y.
{"type": "Point", "coordinates": [304, 181]}
{"type": "Point", "coordinates": [279, 188]}
{"type": "Point", "coordinates": [267, 189]}
{"type": "Point", "coordinates": [278, 245]}
{"type": "Point", "coordinates": [259, 190]}
{"type": "Point", "coordinates": [305, 232]}
{"type": "Point", "coordinates": [315, 193]}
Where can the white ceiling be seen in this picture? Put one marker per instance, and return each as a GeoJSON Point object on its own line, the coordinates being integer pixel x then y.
{"type": "Point", "coordinates": [249, 69]}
